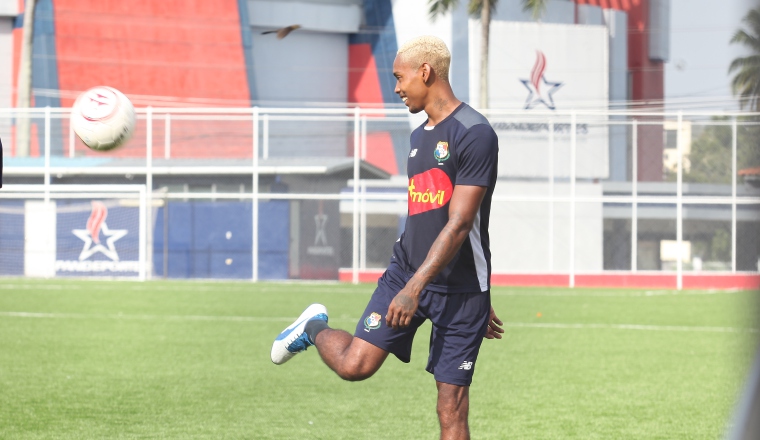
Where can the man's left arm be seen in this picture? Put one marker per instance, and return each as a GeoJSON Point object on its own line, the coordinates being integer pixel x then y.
{"type": "Point", "coordinates": [463, 209]}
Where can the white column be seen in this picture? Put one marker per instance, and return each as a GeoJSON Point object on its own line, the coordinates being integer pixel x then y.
{"type": "Point", "coordinates": [39, 238]}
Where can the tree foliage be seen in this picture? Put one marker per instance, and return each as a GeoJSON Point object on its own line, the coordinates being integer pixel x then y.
{"type": "Point", "coordinates": [746, 81]}
{"type": "Point", "coordinates": [711, 156]}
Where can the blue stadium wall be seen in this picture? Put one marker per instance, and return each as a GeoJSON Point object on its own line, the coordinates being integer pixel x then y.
{"type": "Point", "coordinates": [214, 240]}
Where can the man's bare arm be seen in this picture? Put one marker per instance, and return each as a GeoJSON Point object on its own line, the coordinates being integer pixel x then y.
{"type": "Point", "coordinates": [463, 209]}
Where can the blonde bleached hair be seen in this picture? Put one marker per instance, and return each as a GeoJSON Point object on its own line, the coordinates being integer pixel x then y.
{"type": "Point", "coordinates": [427, 49]}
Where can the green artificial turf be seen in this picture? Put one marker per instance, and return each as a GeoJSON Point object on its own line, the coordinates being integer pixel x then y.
{"type": "Point", "coordinates": [106, 359]}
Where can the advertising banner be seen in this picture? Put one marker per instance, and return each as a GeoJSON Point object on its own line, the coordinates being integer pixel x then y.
{"type": "Point", "coordinates": [541, 70]}
{"type": "Point", "coordinates": [97, 238]}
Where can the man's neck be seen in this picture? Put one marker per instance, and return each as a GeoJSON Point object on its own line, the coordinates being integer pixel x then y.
{"type": "Point", "coordinates": [440, 108]}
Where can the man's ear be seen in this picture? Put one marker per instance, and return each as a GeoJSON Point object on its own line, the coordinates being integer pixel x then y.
{"type": "Point", "coordinates": [427, 72]}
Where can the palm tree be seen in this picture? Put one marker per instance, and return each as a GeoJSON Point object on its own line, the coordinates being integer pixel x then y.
{"type": "Point", "coordinates": [484, 8]}
{"type": "Point", "coordinates": [746, 82]}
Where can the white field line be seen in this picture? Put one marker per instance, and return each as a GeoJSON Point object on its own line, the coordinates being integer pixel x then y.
{"type": "Point", "coordinates": [613, 292]}
{"type": "Point", "coordinates": [189, 287]}
{"type": "Point", "coordinates": [255, 319]}
{"type": "Point", "coordinates": [666, 328]}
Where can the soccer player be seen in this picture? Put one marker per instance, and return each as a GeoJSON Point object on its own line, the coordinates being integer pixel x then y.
{"type": "Point", "coordinates": [440, 269]}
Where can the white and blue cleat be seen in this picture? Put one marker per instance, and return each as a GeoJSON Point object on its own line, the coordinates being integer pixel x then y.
{"type": "Point", "coordinates": [294, 339]}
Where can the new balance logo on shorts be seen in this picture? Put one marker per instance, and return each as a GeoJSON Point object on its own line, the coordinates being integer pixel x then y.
{"type": "Point", "coordinates": [465, 366]}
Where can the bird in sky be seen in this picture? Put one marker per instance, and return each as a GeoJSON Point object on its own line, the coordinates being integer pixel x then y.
{"type": "Point", "coordinates": [283, 32]}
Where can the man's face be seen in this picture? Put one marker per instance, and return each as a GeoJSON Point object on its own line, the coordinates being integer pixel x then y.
{"type": "Point", "coordinates": [410, 85]}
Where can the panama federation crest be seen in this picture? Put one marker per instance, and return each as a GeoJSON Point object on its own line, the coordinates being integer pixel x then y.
{"type": "Point", "coordinates": [372, 321]}
{"type": "Point", "coordinates": [441, 152]}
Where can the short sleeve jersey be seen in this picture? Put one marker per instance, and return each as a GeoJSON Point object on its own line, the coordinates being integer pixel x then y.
{"type": "Point", "coordinates": [461, 150]}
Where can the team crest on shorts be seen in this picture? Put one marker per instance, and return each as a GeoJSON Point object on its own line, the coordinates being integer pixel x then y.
{"type": "Point", "coordinates": [372, 321]}
{"type": "Point", "coordinates": [441, 151]}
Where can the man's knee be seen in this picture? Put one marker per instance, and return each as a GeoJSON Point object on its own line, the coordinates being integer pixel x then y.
{"type": "Point", "coordinates": [354, 370]}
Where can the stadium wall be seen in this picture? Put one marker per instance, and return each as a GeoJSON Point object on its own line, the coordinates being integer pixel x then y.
{"type": "Point", "coordinates": [747, 281]}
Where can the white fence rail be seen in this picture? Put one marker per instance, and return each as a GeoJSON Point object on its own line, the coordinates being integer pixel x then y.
{"type": "Point", "coordinates": [561, 190]}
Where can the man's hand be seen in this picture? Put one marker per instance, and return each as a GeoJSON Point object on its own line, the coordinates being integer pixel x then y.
{"type": "Point", "coordinates": [494, 329]}
{"type": "Point", "coordinates": [402, 309]}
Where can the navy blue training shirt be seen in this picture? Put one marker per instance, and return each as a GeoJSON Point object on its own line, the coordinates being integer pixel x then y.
{"type": "Point", "coordinates": [461, 150]}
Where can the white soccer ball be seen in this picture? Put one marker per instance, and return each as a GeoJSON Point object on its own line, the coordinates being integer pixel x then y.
{"type": "Point", "coordinates": [103, 118]}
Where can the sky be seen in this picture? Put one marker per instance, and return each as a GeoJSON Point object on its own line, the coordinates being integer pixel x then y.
{"type": "Point", "coordinates": [700, 52]}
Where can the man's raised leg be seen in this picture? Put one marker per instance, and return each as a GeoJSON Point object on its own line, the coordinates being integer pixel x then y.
{"type": "Point", "coordinates": [349, 357]}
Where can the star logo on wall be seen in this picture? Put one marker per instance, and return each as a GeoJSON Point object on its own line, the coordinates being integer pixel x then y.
{"type": "Point", "coordinates": [541, 90]}
{"type": "Point", "coordinates": [91, 236]}
{"type": "Point", "coordinates": [91, 247]}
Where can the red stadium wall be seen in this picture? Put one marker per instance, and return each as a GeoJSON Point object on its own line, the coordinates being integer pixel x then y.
{"type": "Point", "coordinates": [160, 53]}
{"type": "Point", "coordinates": [364, 89]}
{"type": "Point", "coordinates": [178, 48]}
{"type": "Point", "coordinates": [604, 280]}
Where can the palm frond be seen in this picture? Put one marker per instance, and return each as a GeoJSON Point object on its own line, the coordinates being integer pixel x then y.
{"type": "Point", "coordinates": [474, 7]}
{"type": "Point", "coordinates": [742, 37]}
{"type": "Point", "coordinates": [752, 19]}
{"type": "Point", "coordinates": [750, 62]}
{"type": "Point", "coordinates": [440, 7]}
{"type": "Point", "coordinates": [536, 7]}
{"type": "Point", "coordinates": [746, 80]}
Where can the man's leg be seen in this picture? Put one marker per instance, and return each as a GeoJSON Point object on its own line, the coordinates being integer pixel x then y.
{"type": "Point", "coordinates": [453, 407]}
{"type": "Point", "coordinates": [349, 357]}
{"type": "Point", "coordinates": [354, 357]}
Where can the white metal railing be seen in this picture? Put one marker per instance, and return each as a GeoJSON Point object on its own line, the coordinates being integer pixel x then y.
{"type": "Point", "coordinates": [260, 119]}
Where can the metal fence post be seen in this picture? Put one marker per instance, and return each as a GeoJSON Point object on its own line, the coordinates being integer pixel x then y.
{"type": "Point", "coordinates": [634, 196]}
{"type": "Point", "coordinates": [167, 135]}
{"type": "Point", "coordinates": [255, 197]}
{"type": "Point", "coordinates": [679, 203]}
{"type": "Point", "coordinates": [573, 160]}
{"type": "Point", "coordinates": [149, 191]}
{"type": "Point", "coordinates": [734, 171]}
{"type": "Point", "coordinates": [551, 196]}
{"type": "Point", "coordinates": [357, 152]}
{"type": "Point", "coordinates": [47, 154]}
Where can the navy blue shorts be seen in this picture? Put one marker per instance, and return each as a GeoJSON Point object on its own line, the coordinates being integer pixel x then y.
{"type": "Point", "coordinates": [459, 324]}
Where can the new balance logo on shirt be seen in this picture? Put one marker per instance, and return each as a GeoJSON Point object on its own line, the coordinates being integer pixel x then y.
{"type": "Point", "coordinates": [465, 366]}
